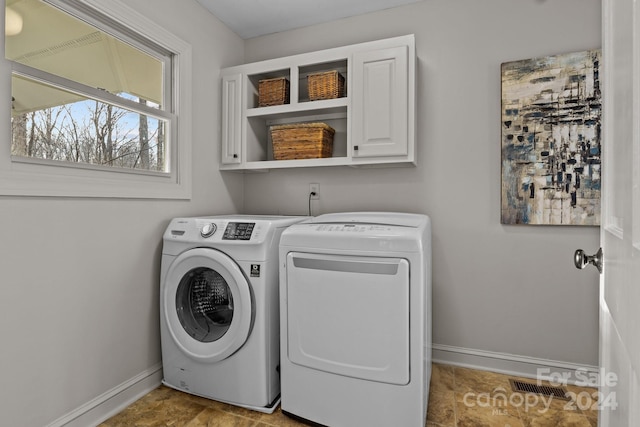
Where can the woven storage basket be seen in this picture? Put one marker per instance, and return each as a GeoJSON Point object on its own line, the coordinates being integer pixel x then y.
{"type": "Point", "coordinates": [302, 141]}
{"type": "Point", "coordinates": [327, 85]}
{"type": "Point", "coordinates": [273, 92]}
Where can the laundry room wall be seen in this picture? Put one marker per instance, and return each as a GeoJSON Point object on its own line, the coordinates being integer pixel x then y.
{"type": "Point", "coordinates": [501, 293]}
{"type": "Point", "coordinates": [79, 277]}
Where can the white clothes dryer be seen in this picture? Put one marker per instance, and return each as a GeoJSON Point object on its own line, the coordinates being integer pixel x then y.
{"type": "Point", "coordinates": [355, 318]}
{"type": "Point", "coordinates": [219, 315]}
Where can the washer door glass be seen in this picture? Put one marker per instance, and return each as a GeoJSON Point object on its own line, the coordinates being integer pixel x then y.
{"type": "Point", "coordinates": [207, 304]}
{"type": "Point", "coordinates": [204, 304]}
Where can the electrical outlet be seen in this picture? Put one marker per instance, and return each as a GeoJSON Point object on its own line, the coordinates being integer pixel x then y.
{"type": "Point", "coordinates": [314, 191]}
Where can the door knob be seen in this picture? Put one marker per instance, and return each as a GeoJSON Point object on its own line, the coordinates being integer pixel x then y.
{"type": "Point", "coordinates": [581, 260]}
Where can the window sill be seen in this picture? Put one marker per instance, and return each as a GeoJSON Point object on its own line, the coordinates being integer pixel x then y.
{"type": "Point", "coordinates": [23, 178]}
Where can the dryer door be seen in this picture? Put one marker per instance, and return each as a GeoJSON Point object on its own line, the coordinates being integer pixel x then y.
{"type": "Point", "coordinates": [349, 315]}
{"type": "Point", "coordinates": [208, 305]}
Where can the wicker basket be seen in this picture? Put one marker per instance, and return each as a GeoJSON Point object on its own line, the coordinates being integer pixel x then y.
{"type": "Point", "coordinates": [302, 141]}
{"type": "Point", "coordinates": [273, 92]}
{"type": "Point", "coordinates": [327, 85]}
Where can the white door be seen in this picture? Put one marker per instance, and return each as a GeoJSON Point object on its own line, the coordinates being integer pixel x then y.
{"type": "Point", "coordinates": [620, 231]}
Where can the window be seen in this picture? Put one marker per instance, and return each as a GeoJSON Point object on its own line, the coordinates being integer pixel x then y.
{"type": "Point", "coordinates": [94, 90]}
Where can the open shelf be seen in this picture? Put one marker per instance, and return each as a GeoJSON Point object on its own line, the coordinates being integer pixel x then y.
{"type": "Point", "coordinates": [253, 83]}
{"type": "Point", "coordinates": [325, 106]}
{"type": "Point", "coordinates": [259, 145]}
{"type": "Point", "coordinates": [306, 70]}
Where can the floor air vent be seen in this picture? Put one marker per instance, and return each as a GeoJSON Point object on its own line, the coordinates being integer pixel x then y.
{"type": "Point", "coordinates": [524, 387]}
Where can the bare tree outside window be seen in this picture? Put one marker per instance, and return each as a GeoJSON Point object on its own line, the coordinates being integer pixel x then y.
{"type": "Point", "coordinates": [90, 132]}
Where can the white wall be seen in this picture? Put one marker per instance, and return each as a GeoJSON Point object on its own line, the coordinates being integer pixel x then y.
{"type": "Point", "coordinates": [79, 284]}
{"type": "Point", "coordinates": [505, 289]}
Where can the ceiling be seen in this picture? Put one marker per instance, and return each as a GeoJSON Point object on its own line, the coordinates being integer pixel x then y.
{"type": "Point", "coordinates": [252, 18]}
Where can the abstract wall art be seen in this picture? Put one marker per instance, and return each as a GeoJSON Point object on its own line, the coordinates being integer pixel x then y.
{"type": "Point", "coordinates": [551, 140]}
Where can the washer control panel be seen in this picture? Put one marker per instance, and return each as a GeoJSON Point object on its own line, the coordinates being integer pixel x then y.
{"type": "Point", "coordinates": [234, 231]}
{"type": "Point", "coordinates": [208, 229]}
{"type": "Point", "coordinates": [238, 231]}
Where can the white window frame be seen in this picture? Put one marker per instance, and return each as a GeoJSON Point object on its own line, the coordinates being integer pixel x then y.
{"type": "Point", "coordinates": [30, 177]}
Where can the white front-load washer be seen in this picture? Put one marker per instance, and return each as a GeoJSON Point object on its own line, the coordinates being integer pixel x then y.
{"type": "Point", "coordinates": [355, 319]}
{"type": "Point", "coordinates": [219, 315]}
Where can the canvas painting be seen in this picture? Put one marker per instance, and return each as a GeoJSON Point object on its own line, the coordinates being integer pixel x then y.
{"type": "Point", "coordinates": [551, 140]}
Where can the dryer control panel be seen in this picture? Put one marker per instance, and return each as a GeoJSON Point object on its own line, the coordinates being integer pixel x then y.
{"type": "Point", "coordinates": [354, 228]}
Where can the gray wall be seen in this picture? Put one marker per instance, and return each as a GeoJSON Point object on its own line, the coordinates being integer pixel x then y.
{"type": "Point", "coordinates": [506, 289]}
{"type": "Point", "coordinates": [79, 291]}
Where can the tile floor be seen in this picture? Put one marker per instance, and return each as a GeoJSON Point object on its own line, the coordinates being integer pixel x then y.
{"type": "Point", "coordinates": [458, 397]}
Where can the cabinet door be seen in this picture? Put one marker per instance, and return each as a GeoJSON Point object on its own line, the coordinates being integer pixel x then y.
{"type": "Point", "coordinates": [231, 119]}
{"type": "Point", "coordinates": [380, 103]}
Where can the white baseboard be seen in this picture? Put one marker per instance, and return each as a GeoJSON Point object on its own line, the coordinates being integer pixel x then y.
{"type": "Point", "coordinates": [511, 364]}
{"type": "Point", "coordinates": [113, 401]}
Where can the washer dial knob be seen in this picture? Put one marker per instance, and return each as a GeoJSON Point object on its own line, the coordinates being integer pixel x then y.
{"type": "Point", "coordinates": [208, 230]}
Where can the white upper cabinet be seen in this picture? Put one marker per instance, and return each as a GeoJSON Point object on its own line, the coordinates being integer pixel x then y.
{"type": "Point", "coordinates": [374, 120]}
{"type": "Point", "coordinates": [380, 103]}
{"type": "Point", "coordinates": [231, 119]}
